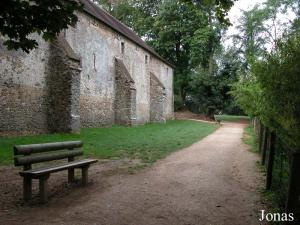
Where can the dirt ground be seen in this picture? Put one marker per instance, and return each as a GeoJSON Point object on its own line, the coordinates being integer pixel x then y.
{"type": "Point", "coordinates": [212, 182]}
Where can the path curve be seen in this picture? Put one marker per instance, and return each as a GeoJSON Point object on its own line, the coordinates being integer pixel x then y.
{"type": "Point", "coordinates": [212, 182]}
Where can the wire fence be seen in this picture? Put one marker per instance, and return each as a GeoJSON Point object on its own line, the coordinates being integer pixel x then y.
{"type": "Point", "coordinates": [281, 173]}
{"type": "Point", "coordinates": [282, 164]}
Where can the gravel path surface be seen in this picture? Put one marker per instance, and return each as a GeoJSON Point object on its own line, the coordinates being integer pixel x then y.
{"type": "Point", "coordinates": [212, 182]}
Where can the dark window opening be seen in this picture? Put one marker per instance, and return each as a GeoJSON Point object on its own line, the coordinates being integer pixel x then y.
{"type": "Point", "coordinates": [146, 59]}
{"type": "Point", "coordinates": [94, 61]}
{"type": "Point", "coordinates": [122, 47]}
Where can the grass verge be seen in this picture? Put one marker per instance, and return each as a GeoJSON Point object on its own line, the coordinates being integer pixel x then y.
{"type": "Point", "coordinates": [271, 198]}
{"type": "Point", "coordinates": [231, 118]}
{"type": "Point", "coordinates": [250, 138]}
{"type": "Point", "coordinates": [149, 142]}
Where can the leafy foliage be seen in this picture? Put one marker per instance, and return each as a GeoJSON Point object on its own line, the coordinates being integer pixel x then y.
{"type": "Point", "coordinates": [189, 35]}
{"type": "Point", "coordinates": [221, 8]}
{"type": "Point", "coordinates": [247, 93]}
{"type": "Point", "coordinates": [270, 90]}
{"type": "Point", "coordinates": [278, 76]}
{"type": "Point", "coordinates": [212, 92]}
{"type": "Point", "coordinates": [19, 19]}
{"type": "Point", "coordinates": [178, 28]}
{"type": "Point", "coordinates": [136, 14]}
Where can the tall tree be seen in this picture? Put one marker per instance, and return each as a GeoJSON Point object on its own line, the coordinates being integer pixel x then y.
{"type": "Point", "coordinates": [139, 15]}
{"type": "Point", "coordinates": [182, 30]}
{"type": "Point", "coordinates": [221, 8]}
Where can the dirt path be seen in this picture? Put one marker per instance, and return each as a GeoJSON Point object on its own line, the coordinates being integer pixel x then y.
{"type": "Point", "coordinates": [212, 182]}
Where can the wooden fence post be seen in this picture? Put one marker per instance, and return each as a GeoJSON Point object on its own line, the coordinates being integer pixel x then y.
{"type": "Point", "coordinates": [260, 139]}
{"type": "Point", "coordinates": [264, 146]}
{"type": "Point", "coordinates": [292, 202]}
{"type": "Point", "coordinates": [270, 160]}
{"type": "Point", "coordinates": [255, 125]}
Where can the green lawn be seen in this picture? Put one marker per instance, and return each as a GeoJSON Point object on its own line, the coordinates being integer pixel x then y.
{"type": "Point", "coordinates": [231, 118]}
{"type": "Point", "coordinates": [148, 142]}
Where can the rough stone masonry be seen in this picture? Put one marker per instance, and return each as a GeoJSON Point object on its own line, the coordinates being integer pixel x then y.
{"type": "Point", "coordinates": [98, 73]}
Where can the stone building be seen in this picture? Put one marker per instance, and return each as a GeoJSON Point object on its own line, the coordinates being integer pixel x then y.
{"type": "Point", "coordinates": [98, 73]}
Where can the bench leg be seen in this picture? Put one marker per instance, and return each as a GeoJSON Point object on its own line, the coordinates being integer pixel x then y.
{"type": "Point", "coordinates": [85, 175]}
{"type": "Point", "coordinates": [71, 175]}
{"type": "Point", "coordinates": [43, 183]}
{"type": "Point", "coordinates": [27, 188]}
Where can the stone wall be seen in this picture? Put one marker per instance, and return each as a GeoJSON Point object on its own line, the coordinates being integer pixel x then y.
{"type": "Point", "coordinates": [125, 96]}
{"type": "Point", "coordinates": [97, 91]}
{"type": "Point", "coordinates": [39, 92]}
{"type": "Point", "coordinates": [98, 46]}
{"type": "Point", "coordinates": [165, 75]}
{"type": "Point", "coordinates": [23, 90]}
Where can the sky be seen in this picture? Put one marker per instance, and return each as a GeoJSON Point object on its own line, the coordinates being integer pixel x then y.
{"type": "Point", "coordinates": [236, 11]}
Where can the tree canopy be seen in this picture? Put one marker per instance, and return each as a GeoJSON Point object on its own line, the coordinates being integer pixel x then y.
{"type": "Point", "coordinates": [19, 19]}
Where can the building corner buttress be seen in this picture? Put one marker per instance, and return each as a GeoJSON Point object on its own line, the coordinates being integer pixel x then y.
{"type": "Point", "coordinates": [63, 83]}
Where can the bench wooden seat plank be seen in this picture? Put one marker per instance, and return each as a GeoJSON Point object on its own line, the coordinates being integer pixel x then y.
{"type": "Point", "coordinates": [37, 172]}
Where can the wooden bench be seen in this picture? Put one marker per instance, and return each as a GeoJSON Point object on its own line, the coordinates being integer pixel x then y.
{"type": "Point", "coordinates": [26, 155]}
